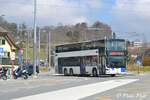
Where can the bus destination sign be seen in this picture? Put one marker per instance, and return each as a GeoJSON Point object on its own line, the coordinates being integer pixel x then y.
{"type": "Point", "coordinates": [115, 53]}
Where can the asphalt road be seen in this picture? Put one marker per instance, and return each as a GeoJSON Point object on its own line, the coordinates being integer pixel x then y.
{"type": "Point", "coordinates": [128, 87]}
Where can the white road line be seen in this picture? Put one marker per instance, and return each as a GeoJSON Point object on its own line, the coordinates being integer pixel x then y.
{"type": "Point", "coordinates": [79, 92]}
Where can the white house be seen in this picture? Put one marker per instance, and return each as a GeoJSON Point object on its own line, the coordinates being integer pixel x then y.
{"type": "Point", "coordinates": [7, 46]}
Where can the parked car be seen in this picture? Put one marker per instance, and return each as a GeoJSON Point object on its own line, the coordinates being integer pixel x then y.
{"type": "Point", "coordinates": [29, 68]}
{"type": "Point", "coordinates": [3, 74]}
{"type": "Point", "coordinates": [20, 73]}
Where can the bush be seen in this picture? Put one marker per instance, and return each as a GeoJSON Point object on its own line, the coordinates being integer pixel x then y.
{"type": "Point", "coordinates": [146, 61]}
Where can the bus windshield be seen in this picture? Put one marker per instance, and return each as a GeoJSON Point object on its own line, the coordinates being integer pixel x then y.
{"type": "Point", "coordinates": [116, 45]}
{"type": "Point", "coordinates": [115, 61]}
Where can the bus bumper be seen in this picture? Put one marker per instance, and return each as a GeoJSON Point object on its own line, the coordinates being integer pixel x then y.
{"type": "Point", "coordinates": [116, 71]}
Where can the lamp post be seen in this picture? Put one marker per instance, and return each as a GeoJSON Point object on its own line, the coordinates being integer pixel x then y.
{"type": "Point", "coordinates": [27, 46]}
{"type": "Point", "coordinates": [49, 50]}
{"type": "Point", "coordinates": [2, 15]}
{"type": "Point", "coordinates": [39, 46]}
{"type": "Point", "coordinates": [35, 40]}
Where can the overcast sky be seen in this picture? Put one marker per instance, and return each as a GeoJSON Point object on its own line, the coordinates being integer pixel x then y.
{"type": "Point", "coordinates": [124, 16]}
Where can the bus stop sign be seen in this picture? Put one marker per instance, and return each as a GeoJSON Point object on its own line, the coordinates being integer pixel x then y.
{"type": "Point", "coordinates": [1, 51]}
{"type": "Point", "coordinates": [12, 57]}
{"type": "Point", "coordinates": [139, 60]}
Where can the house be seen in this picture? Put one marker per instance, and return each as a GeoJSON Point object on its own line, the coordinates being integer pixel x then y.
{"type": "Point", "coordinates": [7, 43]}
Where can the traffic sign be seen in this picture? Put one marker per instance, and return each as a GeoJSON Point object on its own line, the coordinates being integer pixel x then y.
{"type": "Point", "coordinates": [1, 51]}
{"type": "Point", "coordinates": [139, 60]}
{"type": "Point", "coordinates": [139, 63]}
{"type": "Point", "coordinates": [21, 51]}
{"type": "Point", "coordinates": [12, 57]}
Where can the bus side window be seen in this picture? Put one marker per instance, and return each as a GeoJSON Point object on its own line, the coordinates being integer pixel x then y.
{"type": "Point", "coordinates": [100, 60]}
{"type": "Point", "coordinates": [87, 61]}
{"type": "Point", "coordinates": [94, 60]}
{"type": "Point", "coordinates": [104, 60]}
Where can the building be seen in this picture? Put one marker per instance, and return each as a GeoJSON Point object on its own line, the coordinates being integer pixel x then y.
{"type": "Point", "coordinates": [7, 44]}
{"type": "Point", "coordinates": [135, 48]}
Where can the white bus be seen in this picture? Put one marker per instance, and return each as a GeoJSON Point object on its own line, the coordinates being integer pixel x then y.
{"type": "Point", "coordinates": [95, 58]}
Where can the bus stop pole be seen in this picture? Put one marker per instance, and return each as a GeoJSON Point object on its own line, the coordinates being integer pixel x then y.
{"type": "Point", "coordinates": [138, 69]}
{"type": "Point", "coordinates": [12, 58]}
{"type": "Point", "coordinates": [12, 69]}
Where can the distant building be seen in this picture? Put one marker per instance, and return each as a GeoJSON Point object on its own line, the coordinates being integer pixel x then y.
{"type": "Point", "coordinates": [134, 48]}
{"type": "Point", "coordinates": [138, 44]}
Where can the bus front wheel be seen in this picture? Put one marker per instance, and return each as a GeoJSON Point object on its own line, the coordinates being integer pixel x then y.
{"type": "Point", "coordinates": [94, 72]}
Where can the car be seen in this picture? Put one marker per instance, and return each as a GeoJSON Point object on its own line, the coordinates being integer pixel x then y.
{"type": "Point", "coordinates": [29, 68]}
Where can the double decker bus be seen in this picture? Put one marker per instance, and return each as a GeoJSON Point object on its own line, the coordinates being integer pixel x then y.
{"type": "Point", "coordinates": [98, 57]}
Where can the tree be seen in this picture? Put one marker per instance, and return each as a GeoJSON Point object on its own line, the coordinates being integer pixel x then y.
{"type": "Point", "coordinates": [76, 36]}
{"type": "Point", "coordinates": [69, 34]}
{"type": "Point", "coordinates": [73, 36]}
{"type": "Point", "coordinates": [97, 24]}
{"type": "Point", "coordinates": [104, 30]}
{"type": "Point", "coordinates": [80, 26]}
{"type": "Point", "coordinates": [8, 26]}
{"type": "Point", "coordinates": [84, 25]}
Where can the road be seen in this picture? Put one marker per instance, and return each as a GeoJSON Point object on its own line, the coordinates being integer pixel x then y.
{"type": "Point", "coordinates": [51, 87]}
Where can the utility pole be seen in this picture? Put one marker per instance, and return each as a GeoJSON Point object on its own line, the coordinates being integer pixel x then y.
{"type": "Point", "coordinates": [35, 40]}
{"type": "Point", "coordinates": [49, 46]}
{"type": "Point", "coordinates": [39, 47]}
{"type": "Point", "coordinates": [48, 50]}
{"type": "Point", "coordinates": [27, 47]}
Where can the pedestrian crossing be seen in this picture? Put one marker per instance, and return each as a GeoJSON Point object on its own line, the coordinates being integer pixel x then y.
{"type": "Point", "coordinates": [79, 92]}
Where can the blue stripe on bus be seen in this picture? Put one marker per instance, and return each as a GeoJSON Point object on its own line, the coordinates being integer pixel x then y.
{"type": "Point", "coordinates": [123, 69]}
{"type": "Point", "coordinates": [113, 68]}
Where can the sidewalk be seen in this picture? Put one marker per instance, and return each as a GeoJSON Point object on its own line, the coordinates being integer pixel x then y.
{"type": "Point", "coordinates": [136, 73]}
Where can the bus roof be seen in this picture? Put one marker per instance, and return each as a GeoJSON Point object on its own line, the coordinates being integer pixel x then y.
{"type": "Point", "coordinates": [87, 42]}
{"type": "Point", "coordinates": [78, 42]}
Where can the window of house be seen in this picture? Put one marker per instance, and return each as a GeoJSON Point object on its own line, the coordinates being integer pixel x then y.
{"type": "Point", "coordinates": [8, 54]}
{"type": "Point", "coordinates": [3, 42]}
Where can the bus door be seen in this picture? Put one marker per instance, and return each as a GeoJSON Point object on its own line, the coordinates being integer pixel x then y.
{"type": "Point", "coordinates": [103, 64]}
{"type": "Point", "coordinates": [99, 65]}
{"type": "Point", "coordinates": [82, 66]}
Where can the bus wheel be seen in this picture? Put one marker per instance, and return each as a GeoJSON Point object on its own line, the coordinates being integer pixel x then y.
{"type": "Point", "coordinates": [94, 72]}
{"type": "Point", "coordinates": [65, 72]}
{"type": "Point", "coordinates": [113, 75]}
{"type": "Point", "coordinates": [71, 72]}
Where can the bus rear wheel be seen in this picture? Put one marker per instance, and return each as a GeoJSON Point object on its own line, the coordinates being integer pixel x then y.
{"type": "Point", "coordinates": [113, 75]}
{"type": "Point", "coordinates": [94, 72]}
{"type": "Point", "coordinates": [71, 72]}
{"type": "Point", "coordinates": [65, 72]}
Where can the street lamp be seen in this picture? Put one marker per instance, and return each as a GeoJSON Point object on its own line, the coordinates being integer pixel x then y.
{"type": "Point", "coordinates": [35, 40]}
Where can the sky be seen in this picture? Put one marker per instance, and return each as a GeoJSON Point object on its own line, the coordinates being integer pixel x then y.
{"type": "Point", "coordinates": [128, 18]}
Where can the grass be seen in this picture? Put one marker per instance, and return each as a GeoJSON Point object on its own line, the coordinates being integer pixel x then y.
{"type": "Point", "coordinates": [140, 69]}
{"type": "Point", "coordinates": [44, 69]}
{"type": "Point", "coordinates": [43, 53]}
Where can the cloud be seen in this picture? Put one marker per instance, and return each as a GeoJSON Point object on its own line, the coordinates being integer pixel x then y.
{"type": "Point", "coordinates": [66, 11]}
{"type": "Point", "coordinates": [49, 12]}
{"type": "Point", "coordinates": [132, 16]}
{"type": "Point", "coordinates": [125, 16]}
{"type": "Point", "coordinates": [136, 7]}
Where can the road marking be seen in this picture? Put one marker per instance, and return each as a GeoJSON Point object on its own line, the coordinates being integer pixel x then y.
{"type": "Point", "coordinates": [79, 92]}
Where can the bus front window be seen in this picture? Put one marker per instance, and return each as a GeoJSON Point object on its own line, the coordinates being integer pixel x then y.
{"type": "Point", "coordinates": [115, 45]}
{"type": "Point", "coordinates": [116, 61]}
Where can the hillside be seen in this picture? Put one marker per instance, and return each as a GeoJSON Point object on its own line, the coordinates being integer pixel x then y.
{"type": "Point", "coordinates": [79, 32]}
